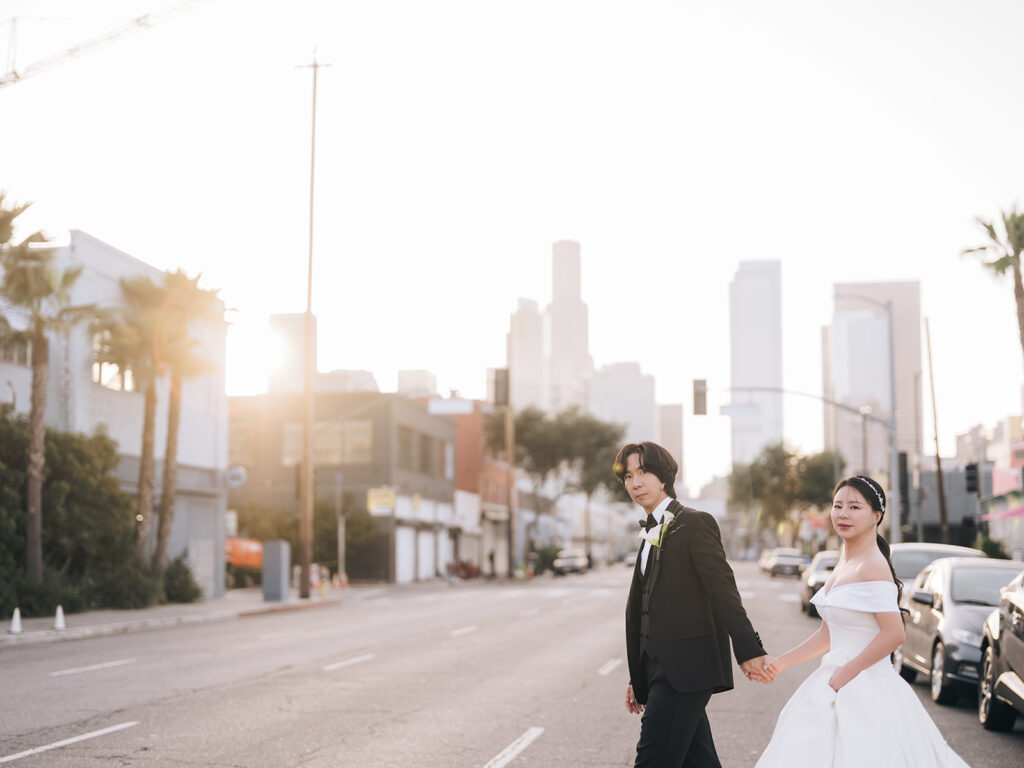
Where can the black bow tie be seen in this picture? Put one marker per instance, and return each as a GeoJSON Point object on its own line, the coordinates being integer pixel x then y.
{"type": "Point", "coordinates": [648, 522]}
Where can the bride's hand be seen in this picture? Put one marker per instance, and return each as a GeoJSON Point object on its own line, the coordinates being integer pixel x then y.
{"type": "Point", "coordinates": [840, 678]}
{"type": "Point", "coordinates": [772, 666]}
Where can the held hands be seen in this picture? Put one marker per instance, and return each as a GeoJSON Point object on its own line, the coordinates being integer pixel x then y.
{"type": "Point", "coordinates": [760, 669]}
{"type": "Point", "coordinates": [631, 704]}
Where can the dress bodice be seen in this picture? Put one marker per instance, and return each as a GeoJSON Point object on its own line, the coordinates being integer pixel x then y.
{"type": "Point", "coordinates": [848, 610]}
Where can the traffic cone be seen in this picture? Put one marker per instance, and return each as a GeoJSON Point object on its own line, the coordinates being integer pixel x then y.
{"type": "Point", "coordinates": [344, 579]}
{"type": "Point", "coordinates": [58, 620]}
{"type": "Point", "coordinates": [15, 622]}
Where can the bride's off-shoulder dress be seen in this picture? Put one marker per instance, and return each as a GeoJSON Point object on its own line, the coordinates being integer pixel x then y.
{"type": "Point", "coordinates": [875, 720]}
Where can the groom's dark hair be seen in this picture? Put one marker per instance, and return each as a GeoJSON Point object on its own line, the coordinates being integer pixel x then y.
{"type": "Point", "coordinates": [653, 458]}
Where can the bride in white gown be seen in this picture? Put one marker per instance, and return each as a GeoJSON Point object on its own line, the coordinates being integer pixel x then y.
{"type": "Point", "coordinates": [854, 710]}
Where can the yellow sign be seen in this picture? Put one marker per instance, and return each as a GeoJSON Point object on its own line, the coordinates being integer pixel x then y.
{"type": "Point", "coordinates": [380, 501]}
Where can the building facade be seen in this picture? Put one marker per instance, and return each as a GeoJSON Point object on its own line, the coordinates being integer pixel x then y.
{"type": "Point", "coordinates": [621, 393]}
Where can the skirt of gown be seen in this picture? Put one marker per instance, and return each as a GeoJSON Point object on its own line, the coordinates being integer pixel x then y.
{"type": "Point", "coordinates": [874, 721]}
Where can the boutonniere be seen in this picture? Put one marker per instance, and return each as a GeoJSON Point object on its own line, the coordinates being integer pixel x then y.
{"type": "Point", "coordinates": [656, 536]}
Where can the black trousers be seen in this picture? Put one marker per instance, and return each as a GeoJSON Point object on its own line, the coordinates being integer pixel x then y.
{"type": "Point", "coordinates": [674, 731]}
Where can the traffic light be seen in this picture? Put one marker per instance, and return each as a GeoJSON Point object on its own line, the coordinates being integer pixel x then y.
{"type": "Point", "coordinates": [971, 471]}
{"type": "Point", "coordinates": [500, 387]}
{"type": "Point", "coordinates": [700, 397]}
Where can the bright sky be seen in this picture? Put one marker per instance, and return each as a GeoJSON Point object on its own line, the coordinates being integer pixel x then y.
{"type": "Point", "coordinates": [458, 140]}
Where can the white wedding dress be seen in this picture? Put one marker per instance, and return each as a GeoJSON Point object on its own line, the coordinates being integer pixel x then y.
{"type": "Point", "coordinates": [875, 720]}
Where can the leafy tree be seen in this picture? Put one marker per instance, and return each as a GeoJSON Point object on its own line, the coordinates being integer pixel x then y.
{"type": "Point", "coordinates": [88, 532]}
{"type": "Point", "coordinates": [39, 293]}
{"type": "Point", "coordinates": [185, 307]}
{"type": "Point", "coordinates": [1005, 248]}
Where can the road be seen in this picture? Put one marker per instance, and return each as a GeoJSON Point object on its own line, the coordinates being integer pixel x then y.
{"type": "Point", "coordinates": [433, 676]}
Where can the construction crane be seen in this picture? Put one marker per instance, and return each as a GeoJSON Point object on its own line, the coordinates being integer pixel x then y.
{"type": "Point", "coordinates": [14, 75]}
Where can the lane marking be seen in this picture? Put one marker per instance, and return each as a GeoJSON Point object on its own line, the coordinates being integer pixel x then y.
{"type": "Point", "coordinates": [348, 662]}
{"type": "Point", "coordinates": [93, 667]}
{"type": "Point", "coordinates": [510, 752]}
{"type": "Point", "coordinates": [746, 595]}
{"type": "Point", "coordinates": [464, 630]}
{"type": "Point", "coordinates": [789, 597]}
{"type": "Point", "coordinates": [529, 612]}
{"type": "Point", "coordinates": [65, 742]}
{"type": "Point", "coordinates": [282, 633]}
{"type": "Point", "coordinates": [609, 667]}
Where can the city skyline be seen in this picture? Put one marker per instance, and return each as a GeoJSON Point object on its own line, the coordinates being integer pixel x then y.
{"type": "Point", "coordinates": [672, 141]}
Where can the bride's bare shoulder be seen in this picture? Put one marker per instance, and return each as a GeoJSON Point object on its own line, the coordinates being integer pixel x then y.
{"type": "Point", "coordinates": [874, 569]}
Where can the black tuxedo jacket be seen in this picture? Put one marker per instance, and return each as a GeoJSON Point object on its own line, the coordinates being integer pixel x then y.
{"type": "Point", "coordinates": [688, 607]}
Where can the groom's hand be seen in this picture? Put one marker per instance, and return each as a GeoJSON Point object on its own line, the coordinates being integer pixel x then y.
{"type": "Point", "coordinates": [631, 703]}
{"type": "Point", "coordinates": [756, 670]}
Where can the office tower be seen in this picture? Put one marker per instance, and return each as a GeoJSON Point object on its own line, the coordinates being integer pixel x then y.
{"type": "Point", "coordinates": [856, 350]}
{"type": "Point", "coordinates": [755, 340]}
{"type": "Point", "coordinates": [669, 434]}
{"type": "Point", "coordinates": [569, 361]}
{"type": "Point", "coordinates": [621, 393]}
{"type": "Point", "coordinates": [525, 350]}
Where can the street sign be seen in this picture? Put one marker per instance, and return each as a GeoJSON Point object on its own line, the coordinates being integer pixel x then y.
{"type": "Point", "coordinates": [380, 501]}
{"type": "Point", "coordinates": [236, 477]}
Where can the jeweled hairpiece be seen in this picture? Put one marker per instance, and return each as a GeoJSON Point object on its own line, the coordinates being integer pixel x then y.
{"type": "Point", "coordinates": [870, 484]}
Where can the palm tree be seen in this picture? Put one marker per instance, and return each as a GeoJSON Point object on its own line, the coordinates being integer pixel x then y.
{"type": "Point", "coordinates": [36, 291]}
{"type": "Point", "coordinates": [1005, 249]}
{"type": "Point", "coordinates": [129, 341]}
{"type": "Point", "coordinates": [185, 306]}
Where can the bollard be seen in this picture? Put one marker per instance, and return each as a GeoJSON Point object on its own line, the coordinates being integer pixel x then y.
{"type": "Point", "coordinates": [15, 623]}
{"type": "Point", "coordinates": [58, 620]}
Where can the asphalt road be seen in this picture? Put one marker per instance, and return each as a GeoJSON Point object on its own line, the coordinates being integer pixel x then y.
{"type": "Point", "coordinates": [477, 674]}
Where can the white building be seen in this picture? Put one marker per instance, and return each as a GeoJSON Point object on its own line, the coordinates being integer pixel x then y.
{"type": "Point", "coordinates": [856, 374]}
{"type": "Point", "coordinates": [417, 383]}
{"type": "Point", "coordinates": [621, 393]}
{"type": "Point", "coordinates": [525, 355]}
{"type": "Point", "coordinates": [669, 434]}
{"type": "Point", "coordinates": [755, 341]}
{"type": "Point", "coordinates": [83, 395]}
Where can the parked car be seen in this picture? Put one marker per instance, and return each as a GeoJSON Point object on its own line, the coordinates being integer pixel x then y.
{"type": "Point", "coordinates": [910, 559]}
{"type": "Point", "coordinates": [765, 558]}
{"type": "Point", "coordinates": [569, 561]}
{"type": "Point", "coordinates": [1001, 692]}
{"type": "Point", "coordinates": [785, 561]}
{"type": "Point", "coordinates": [948, 604]}
{"type": "Point", "coordinates": [814, 577]}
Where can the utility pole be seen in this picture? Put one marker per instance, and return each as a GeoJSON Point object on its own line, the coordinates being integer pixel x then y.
{"type": "Point", "coordinates": [306, 468]}
{"type": "Point", "coordinates": [943, 523]}
{"type": "Point", "coordinates": [510, 453]}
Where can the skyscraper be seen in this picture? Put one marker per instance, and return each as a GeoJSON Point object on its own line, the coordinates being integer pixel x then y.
{"type": "Point", "coordinates": [569, 361]}
{"type": "Point", "coordinates": [621, 393]}
{"type": "Point", "coordinates": [856, 369]}
{"type": "Point", "coordinates": [525, 350]}
{"type": "Point", "coordinates": [669, 433]}
{"type": "Point", "coordinates": [755, 340]}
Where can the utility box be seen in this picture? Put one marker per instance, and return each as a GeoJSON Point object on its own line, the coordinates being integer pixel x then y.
{"type": "Point", "coordinates": [277, 558]}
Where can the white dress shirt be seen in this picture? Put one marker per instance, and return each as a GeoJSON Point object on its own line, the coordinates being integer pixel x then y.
{"type": "Point", "coordinates": [645, 545]}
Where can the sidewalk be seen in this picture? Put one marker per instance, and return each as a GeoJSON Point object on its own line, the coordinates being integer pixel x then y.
{"type": "Point", "coordinates": [235, 604]}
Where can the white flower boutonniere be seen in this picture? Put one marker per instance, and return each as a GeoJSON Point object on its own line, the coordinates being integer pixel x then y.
{"type": "Point", "coordinates": [657, 534]}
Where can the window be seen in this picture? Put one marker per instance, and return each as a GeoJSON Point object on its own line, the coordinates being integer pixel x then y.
{"type": "Point", "coordinates": [242, 444]}
{"type": "Point", "coordinates": [406, 449]}
{"type": "Point", "coordinates": [426, 457]}
{"type": "Point", "coordinates": [16, 353]}
{"type": "Point", "coordinates": [334, 442]}
{"type": "Point", "coordinates": [107, 374]}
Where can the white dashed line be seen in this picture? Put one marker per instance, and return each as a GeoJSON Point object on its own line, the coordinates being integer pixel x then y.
{"type": "Point", "coordinates": [73, 740]}
{"type": "Point", "coordinates": [93, 667]}
{"type": "Point", "coordinates": [348, 662]}
{"type": "Point", "coordinates": [609, 667]}
{"type": "Point", "coordinates": [789, 597]}
{"type": "Point", "coordinates": [746, 595]}
{"type": "Point", "coordinates": [464, 630]}
{"type": "Point", "coordinates": [510, 752]}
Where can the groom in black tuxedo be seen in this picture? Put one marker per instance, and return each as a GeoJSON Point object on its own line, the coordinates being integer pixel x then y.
{"type": "Point", "coordinates": [683, 608]}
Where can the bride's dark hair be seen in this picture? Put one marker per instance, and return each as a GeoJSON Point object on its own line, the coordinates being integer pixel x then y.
{"type": "Point", "coordinates": [875, 497]}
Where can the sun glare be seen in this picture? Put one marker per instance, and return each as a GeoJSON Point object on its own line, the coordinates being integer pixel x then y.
{"type": "Point", "coordinates": [252, 352]}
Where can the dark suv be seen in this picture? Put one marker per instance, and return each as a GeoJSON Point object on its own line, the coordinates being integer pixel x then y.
{"type": "Point", "coordinates": [948, 604]}
{"type": "Point", "coordinates": [1001, 693]}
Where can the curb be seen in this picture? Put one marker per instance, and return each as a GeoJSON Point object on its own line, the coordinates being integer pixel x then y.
{"type": "Point", "coordinates": [143, 625]}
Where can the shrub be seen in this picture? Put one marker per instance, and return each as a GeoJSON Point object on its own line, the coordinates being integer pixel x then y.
{"type": "Point", "coordinates": [180, 585]}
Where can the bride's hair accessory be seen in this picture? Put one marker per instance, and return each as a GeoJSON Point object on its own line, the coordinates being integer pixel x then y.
{"type": "Point", "coordinates": [878, 494]}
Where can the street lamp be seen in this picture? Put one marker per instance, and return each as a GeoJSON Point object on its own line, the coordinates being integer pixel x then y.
{"type": "Point", "coordinates": [895, 529]}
